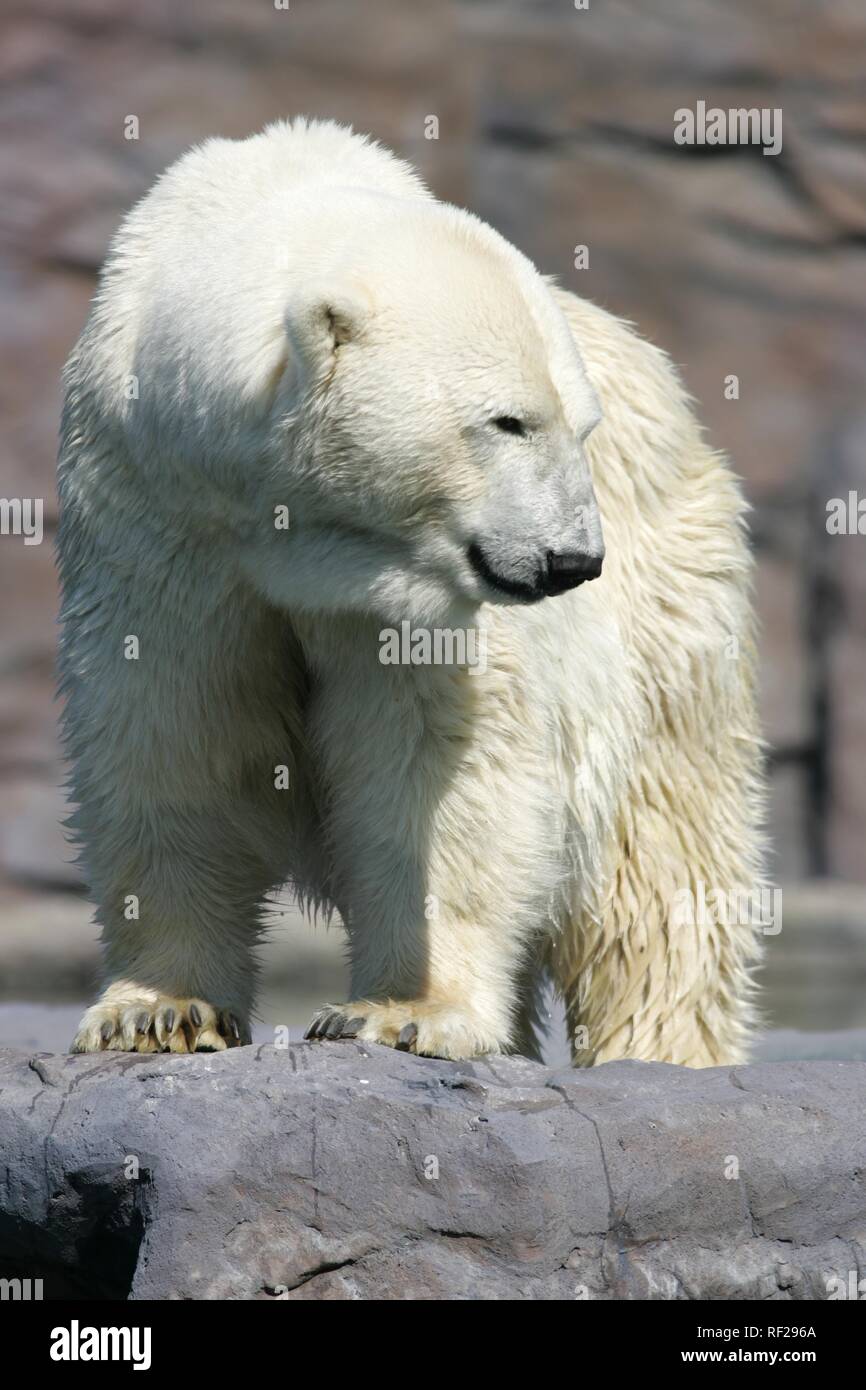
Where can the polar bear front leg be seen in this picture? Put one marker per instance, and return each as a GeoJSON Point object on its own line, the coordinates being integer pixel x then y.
{"type": "Point", "coordinates": [167, 1002]}
{"type": "Point", "coordinates": [433, 973]}
{"type": "Point", "coordinates": [439, 829]}
{"type": "Point", "coordinates": [446, 1014]}
{"type": "Point", "coordinates": [180, 922]}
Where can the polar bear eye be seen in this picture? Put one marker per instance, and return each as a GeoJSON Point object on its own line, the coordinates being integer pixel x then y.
{"type": "Point", "coordinates": [510, 424]}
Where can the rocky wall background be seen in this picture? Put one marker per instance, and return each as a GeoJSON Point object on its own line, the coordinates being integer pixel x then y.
{"type": "Point", "coordinates": [556, 125]}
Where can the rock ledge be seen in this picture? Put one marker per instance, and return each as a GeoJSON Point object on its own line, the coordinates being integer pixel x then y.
{"type": "Point", "coordinates": [340, 1171]}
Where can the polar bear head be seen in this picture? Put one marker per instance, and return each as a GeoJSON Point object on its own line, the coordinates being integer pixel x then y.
{"type": "Point", "coordinates": [429, 426]}
{"type": "Point", "coordinates": [388, 372]}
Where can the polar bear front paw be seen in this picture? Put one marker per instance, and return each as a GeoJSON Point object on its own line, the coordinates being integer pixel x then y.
{"type": "Point", "coordinates": [430, 1030]}
{"type": "Point", "coordinates": [143, 1020]}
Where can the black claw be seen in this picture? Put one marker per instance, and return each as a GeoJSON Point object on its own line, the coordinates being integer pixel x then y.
{"type": "Point", "coordinates": [106, 1031]}
{"type": "Point", "coordinates": [234, 1027]}
{"type": "Point", "coordinates": [406, 1037]}
{"type": "Point", "coordinates": [142, 1023]}
{"type": "Point", "coordinates": [353, 1027]}
{"type": "Point", "coordinates": [195, 1015]}
{"type": "Point", "coordinates": [335, 1026]}
{"type": "Point", "coordinates": [313, 1030]}
{"type": "Point", "coordinates": [168, 1020]}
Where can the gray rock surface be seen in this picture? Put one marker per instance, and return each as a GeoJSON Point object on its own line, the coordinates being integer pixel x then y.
{"type": "Point", "coordinates": [336, 1171]}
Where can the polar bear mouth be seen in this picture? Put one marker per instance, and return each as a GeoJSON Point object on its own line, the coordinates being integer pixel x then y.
{"type": "Point", "coordinates": [558, 573]}
{"type": "Point", "coordinates": [503, 584]}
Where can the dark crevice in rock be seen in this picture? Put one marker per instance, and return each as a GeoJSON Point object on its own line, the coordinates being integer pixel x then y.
{"type": "Point", "coordinates": [327, 1267]}
{"type": "Point", "coordinates": [90, 1240]}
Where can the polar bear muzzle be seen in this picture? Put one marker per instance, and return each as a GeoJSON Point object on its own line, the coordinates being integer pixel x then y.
{"type": "Point", "coordinates": [556, 573]}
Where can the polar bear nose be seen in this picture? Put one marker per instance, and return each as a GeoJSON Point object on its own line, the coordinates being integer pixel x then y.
{"type": "Point", "coordinates": [565, 569]}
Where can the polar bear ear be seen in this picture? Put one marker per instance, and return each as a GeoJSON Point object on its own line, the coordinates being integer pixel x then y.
{"type": "Point", "coordinates": [345, 316]}
{"type": "Point", "coordinates": [325, 320]}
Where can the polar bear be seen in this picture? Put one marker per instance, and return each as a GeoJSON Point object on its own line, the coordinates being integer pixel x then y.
{"type": "Point", "coordinates": [312, 408]}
